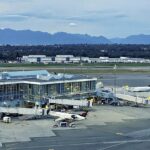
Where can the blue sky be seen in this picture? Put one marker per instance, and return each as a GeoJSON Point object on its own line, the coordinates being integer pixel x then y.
{"type": "Point", "coordinates": [110, 18]}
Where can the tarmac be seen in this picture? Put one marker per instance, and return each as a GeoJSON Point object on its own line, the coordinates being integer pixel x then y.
{"type": "Point", "coordinates": [100, 116]}
{"type": "Point", "coordinates": [19, 131]}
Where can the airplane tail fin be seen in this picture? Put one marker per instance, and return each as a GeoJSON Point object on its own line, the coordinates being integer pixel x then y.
{"type": "Point", "coordinates": [84, 114]}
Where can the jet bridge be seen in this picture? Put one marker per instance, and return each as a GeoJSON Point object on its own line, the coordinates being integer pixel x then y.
{"type": "Point", "coordinates": [70, 102]}
{"type": "Point", "coordinates": [131, 98]}
{"type": "Point", "coordinates": [23, 111]}
{"type": "Point", "coordinates": [41, 111]}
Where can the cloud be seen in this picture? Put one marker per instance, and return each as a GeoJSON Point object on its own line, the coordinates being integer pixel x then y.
{"type": "Point", "coordinates": [121, 16]}
{"type": "Point", "coordinates": [72, 24]}
{"type": "Point", "coordinates": [11, 17]}
{"type": "Point", "coordinates": [89, 17]}
{"type": "Point", "coordinates": [25, 16]}
{"type": "Point", "coordinates": [37, 15]}
{"type": "Point", "coordinates": [96, 17]}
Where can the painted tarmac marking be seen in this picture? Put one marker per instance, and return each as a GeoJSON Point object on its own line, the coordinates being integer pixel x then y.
{"type": "Point", "coordinates": [119, 133]}
{"type": "Point", "coordinates": [127, 141]}
{"type": "Point", "coordinates": [116, 143]}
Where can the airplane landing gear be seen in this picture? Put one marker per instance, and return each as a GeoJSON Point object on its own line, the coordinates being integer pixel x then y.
{"type": "Point", "coordinates": [64, 124]}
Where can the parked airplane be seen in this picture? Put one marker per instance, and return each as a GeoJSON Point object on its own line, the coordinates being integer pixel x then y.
{"type": "Point", "coordinates": [66, 116]}
{"type": "Point", "coordinates": [139, 89]}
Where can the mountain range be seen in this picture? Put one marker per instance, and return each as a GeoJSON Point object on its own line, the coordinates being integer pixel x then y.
{"type": "Point", "coordinates": [28, 37]}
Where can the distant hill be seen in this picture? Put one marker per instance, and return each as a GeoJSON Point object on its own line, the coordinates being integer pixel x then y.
{"type": "Point", "coordinates": [28, 37]}
{"type": "Point", "coordinates": [133, 39]}
{"type": "Point", "coordinates": [66, 38]}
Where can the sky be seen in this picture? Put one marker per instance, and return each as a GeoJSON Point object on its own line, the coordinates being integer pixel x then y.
{"type": "Point", "coordinates": [110, 18]}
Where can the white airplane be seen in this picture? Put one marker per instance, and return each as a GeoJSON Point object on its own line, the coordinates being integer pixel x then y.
{"type": "Point", "coordinates": [139, 89]}
{"type": "Point", "coordinates": [66, 116]}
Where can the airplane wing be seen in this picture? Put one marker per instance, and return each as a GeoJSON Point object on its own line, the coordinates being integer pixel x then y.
{"type": "Point", "coordinates": [59, 119]}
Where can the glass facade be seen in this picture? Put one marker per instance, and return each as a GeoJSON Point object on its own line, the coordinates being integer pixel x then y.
{"type": "Point", "coordinates": [34, 92]}
{"type": "Point", "coordinates": [11, 92]}
{"type": "Point", "coordinates": [35, 86]}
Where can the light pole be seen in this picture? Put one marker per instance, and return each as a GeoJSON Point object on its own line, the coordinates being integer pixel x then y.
{"type": "Point", "coordinates": [115, 80]}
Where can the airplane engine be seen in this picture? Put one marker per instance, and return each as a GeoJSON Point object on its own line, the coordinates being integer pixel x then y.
{"type": "Point", "coordinates": [74, 117]}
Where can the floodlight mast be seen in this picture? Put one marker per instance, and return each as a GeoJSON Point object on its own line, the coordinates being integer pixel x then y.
{"type": "Point", "coordinates": [115, 81]}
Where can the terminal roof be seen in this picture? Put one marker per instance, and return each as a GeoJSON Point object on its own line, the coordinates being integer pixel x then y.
{"type": "Point", "coordinates": [39, 76]}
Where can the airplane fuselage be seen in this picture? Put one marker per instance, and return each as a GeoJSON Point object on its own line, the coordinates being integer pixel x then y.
{"type": "Point", "coordinates": [66, 115]}
{"type": "Point", "coordinates": [140, 89]}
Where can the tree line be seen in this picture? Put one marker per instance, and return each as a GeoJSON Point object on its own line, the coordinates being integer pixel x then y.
{"type": "Point", "coordinates": [8, 52]}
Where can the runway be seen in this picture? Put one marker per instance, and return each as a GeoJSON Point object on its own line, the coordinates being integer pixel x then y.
{"type": "Point", "coordinates": [125, 79]}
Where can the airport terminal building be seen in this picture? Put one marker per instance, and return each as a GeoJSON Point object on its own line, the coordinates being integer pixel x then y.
{"type": "Point", "coordinates": [40, 84]}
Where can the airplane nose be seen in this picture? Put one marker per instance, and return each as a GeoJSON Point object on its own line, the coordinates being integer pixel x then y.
{"type": "Point", "coordinates": [82, 118]}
